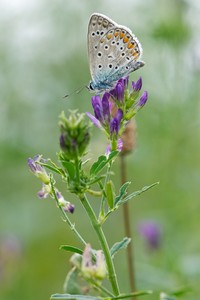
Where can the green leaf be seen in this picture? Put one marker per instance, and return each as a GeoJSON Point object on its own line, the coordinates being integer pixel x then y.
{"type": "Point", "coordinates": [82, 297]}
{"type": "Point", "coordinates": [98, 164]}
{"type": "Point", "coordinates": [54, 169]}
{"type": "Point", "coordinates": [70, 168]}
{"type": "Point", "coordinates": [71, 284]}
{"type": "Point", "coordinates": [122, 192]}
{"type": "Point", "coordinates": [71, 249]}
{"type": "Point", "coordinates": [102, 162]}
{"type": "Point", "coordinates": [131, 295]}
{"type": "Point", "coordinates": [134, 194]}
{"type": "Point", "coordinates": [73, 297]}
{"type": "Point", "coordinates": [110, 193]}
{"type": "Point", "coordinates": [119, 245]}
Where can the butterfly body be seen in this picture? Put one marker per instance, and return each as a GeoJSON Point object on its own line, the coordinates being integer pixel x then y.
{"type": "Point", "coordinates": [113, 52]}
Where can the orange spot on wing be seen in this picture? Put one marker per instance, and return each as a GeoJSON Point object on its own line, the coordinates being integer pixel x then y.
{"type": "Point", "coordinates": [109, 35]}
{"type": "Point", "coordinates": [122, 35]}
{"type": "Point", "coordinates": [126, 39]}
{"type": "Point", "coordinates": [116, 34]}
{"type": "Point", "coordinates": [130, 45]}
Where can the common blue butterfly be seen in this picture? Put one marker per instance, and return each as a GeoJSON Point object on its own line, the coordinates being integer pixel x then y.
{"type": "Point", "coordinates": [113, 52]}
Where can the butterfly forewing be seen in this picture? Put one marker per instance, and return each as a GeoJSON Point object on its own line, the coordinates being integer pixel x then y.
{"type": "Point", "coordinates": [98, 26]}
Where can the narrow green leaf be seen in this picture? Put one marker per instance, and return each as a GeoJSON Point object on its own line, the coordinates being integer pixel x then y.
{"type": "Point", "coordinates": [119, 245]}
{"type": "Point", "coordinates": [54, 169]}
{"type": "Point", "coordinates": [94, 168]}
{"type": "Point", "coordinates": [134, 194]}
{"type": "Point", "coordinates": [131, 295]}
{"type": "Point", "coordinates": [110, 193]}
{"type": "Point", "coordinates": [73, 297]}
{"type": "Point", "coordinates": [71, 249]}
{"type": "Point", "coordinates": [122, 192]}
{"type": "Point", "coordinates": [71, 284]}
{"type": "Point", "coordinates": [69, 168]}
{"type": "Point", "coordinates": [112, 154]}
{"type": "Point", "coordinates": [102, 162]}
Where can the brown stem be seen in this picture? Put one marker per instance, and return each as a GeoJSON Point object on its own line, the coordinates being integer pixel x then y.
{"type": "Point", "coordinates": [127, 228]}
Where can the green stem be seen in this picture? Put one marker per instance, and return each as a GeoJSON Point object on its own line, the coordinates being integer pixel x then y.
{"type": "Point", "coordinates": [102, 239]}
{"type": "Point", "coordinates": [66, 218]}
{"type": "Point", "coordinates": [77, 170]}
{"type": "Point", "coordinates": [102, 209]}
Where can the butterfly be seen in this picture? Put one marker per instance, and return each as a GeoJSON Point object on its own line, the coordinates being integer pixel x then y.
{"type": "Point", "coordinates": [113, 52]}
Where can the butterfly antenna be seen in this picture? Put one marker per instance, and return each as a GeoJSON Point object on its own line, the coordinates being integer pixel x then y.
{"type": "Point", "coordinates": [76, 91]}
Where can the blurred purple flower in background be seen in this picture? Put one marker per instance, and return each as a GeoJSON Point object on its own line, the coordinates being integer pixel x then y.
{"type": "Point", "coordinates": [151, 232]}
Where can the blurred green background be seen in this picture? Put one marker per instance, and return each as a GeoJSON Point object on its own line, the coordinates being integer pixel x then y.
{"type": "Point", "coordinates": [43, 56]}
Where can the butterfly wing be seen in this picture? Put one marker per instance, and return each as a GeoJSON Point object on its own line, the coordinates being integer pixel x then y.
{"type": "Point", "coordinates": [98, 26]}
{"type": "Point", "coordinates": [122, 52]}
{"type": "Point", "coordinates": [114, 51]}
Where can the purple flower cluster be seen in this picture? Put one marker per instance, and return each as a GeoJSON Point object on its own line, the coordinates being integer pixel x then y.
{"type": "Point", "coordinates": [103, 115]}
{"type": "Point", "coordinates": [115, 108]}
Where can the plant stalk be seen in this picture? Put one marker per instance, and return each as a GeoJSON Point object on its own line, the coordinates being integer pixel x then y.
{"type": "Point", "coordinates": [127, 228]}
{"type": "Point", "coordinates": [102, 239]}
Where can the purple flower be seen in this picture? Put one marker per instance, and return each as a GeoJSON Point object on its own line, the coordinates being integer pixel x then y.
{"type": "Point", "coordinates": [115, 122]}
{"type": "Point", "coordinates": [37, 169]}
{"type": "Point", "coordinates": [45, 191]}
{"type": "Point", "coordinates": [94, 120]}
{"type": "Point", "coordinates": [151, 233]}
{"type": "Point", "coordinates": [97, 106]}
{"type": "Point", "coordinates": [93, 269]}
{"type": "Point", "coordinates": [118, 91]}
{"type": "Point", "coordinates": [119, 147]}
{"type": "Point", "coordinates": [106, 107]}
{"type": "Point", "coordinates": [137, 85]}
{"type": "Point", "coordinates": [67, 206]}
{"type": "Point", "coordinates": [142, 101]}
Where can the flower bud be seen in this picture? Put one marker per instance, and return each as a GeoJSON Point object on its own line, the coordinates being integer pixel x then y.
{"type": "Point", "coordinates": [74, 136]}
{"type": "Point", "coordinates": [38, 170]}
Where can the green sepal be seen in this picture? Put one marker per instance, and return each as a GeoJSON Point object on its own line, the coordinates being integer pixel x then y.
{"type": "Point", "coordinates": [71, 284]}
{"type": "Point", "coordinates": [122, 192]}
{"type": "Point", "coordinates": [119, 245]}
{"type": "Point", "coordinates": [110, 193]}
{"type": "Point", "coordinates": [71, 249]}
{"type": "Point", "coordinates": [70, 168]}
{"type": "Point", "coordinates": [102, 162]}
{"type": "Point", "coordinates": [136, 193]}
